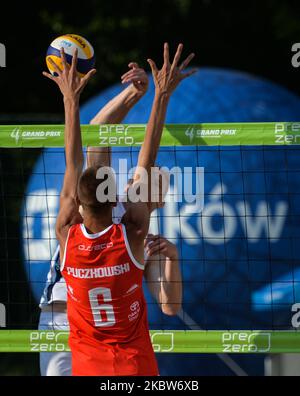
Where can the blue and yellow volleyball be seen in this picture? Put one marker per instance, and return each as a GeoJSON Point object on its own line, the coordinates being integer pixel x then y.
{"type": "Point", "coordinates": [86, 54]}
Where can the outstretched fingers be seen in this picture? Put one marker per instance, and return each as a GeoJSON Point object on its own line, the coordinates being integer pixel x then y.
{"type": "Point", "coordinates": [132, 72]}
{"type": "Point", "coordinates": [64, 60]}
{"type": "Point", "coordinates": [73, 68]}
{"type": "Point", "coordinates": [189, 73]}
{"type": "Point", "coordinates": [153, 66]}
{"type": "Point", "coordinates": [187, 61]}
{"type": "Point", "coordinates": [55, 67]}
{"type": "Point", "coordinates": [166, 55]}
{"type": "Point", "coordinates": [89, 75]}
{"type": "Point", "coordinates": [134, 68]}
{"type": "Point", "coordinates": [134, 75]}
{"type": "Point", "coordinates": [177, 56]}
{"type": "Point", "coordinates": [48, 75]}
{"type": "Point", "coordinates": [133, 65]}
{"type": "Point", "coordinates": [87, 78]}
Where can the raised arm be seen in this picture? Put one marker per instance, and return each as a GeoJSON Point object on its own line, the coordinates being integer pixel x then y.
{"type": "Point", "coordinates": [162, 273]}
{"type": "Point", "coordinates": [71, 86]}
{"type": "Point", "coordinates": [116, 110]}
{"type": "Point", "coordinates": [166, 80]}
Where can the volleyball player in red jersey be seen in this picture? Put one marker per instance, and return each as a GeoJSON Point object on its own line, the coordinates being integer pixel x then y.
{"type": "Point", "coordinates": [103, 262]}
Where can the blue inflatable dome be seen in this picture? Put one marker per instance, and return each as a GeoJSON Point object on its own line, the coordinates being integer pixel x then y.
{"type": "Point", "coordinates": [212, 95]}
{"type": "Point", "coordinates": [228, 291]}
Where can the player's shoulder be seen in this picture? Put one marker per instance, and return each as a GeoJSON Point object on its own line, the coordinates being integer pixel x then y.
{"type": "Point", "coordinates": [136, 210]}
{"type": "Point", "coordinates": [136, 218]}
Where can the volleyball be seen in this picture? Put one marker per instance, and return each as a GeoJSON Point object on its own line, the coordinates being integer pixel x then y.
{"type": "Point", "coordinates": [69, 42]}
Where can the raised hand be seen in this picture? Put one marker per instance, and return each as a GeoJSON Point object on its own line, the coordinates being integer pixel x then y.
{"type": "Point", "coordinates": [138, 77]}
{"type": "Point", "coordinates": [157, 244]}
{"type": "Point", "coordinates": [167, 79]}
{"type": "Point", "coordinates": [68, 80]}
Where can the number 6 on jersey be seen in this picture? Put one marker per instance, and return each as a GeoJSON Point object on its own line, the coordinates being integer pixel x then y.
{"type": "Point", "coordinates": [96, 308]}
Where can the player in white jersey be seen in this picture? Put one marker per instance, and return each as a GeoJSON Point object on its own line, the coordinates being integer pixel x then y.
{"type": "Point", "coordinates": [162, 272]}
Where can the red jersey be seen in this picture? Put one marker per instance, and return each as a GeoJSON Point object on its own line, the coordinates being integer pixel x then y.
{"type": "Point", "coordinates": [109, 333]}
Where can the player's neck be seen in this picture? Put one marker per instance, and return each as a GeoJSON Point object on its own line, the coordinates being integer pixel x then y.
{"type": "Point", "coordinates": [94, 224]}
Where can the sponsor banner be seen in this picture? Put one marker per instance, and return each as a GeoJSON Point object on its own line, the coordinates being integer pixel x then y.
{"type": "Point", "coordinates": [169, 341]}
{"type": "Point", "coordinates": [174, 135]}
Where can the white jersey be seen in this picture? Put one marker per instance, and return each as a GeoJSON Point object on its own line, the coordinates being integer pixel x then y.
{"type": "Point", "coordinates": [55, 288]}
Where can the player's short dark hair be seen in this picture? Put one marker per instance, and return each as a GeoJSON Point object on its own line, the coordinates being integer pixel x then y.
{"type": "Point", "coordinates": [87, 191]}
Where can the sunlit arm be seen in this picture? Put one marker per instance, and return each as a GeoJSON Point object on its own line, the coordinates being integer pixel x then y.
{"type": "Point", "coordinates": [113, 112]}
{"type": "Point", "coordinates": [164, 281]}
{"type": "Point", "coordinates": [117, 109]}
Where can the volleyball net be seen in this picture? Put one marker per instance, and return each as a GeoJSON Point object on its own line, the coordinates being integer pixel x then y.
{"type": "Point", "coordinates": [232, 209]}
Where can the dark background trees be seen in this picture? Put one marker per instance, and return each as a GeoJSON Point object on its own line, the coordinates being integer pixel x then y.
{"type": "Point", "coordinates": [254, 36]}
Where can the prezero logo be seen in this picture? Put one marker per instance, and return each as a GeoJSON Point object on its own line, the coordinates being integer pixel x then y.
{"type": "Point", "coordinates": [49, 341]}
{"type": "Point", "coordinates": [122, 137]}
{"type": "Point", "coordinates": [246, 342]}
{"type": "Point", "coordinates": [287, 133]}
{"type": "Point", "coordinates": [2, 55]}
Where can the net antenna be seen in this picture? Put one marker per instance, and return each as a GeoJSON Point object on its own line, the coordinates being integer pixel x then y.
{"type": "Point", "coordinates": [2, 315]}
{"type": "Point", "coordinates": [2, 55]}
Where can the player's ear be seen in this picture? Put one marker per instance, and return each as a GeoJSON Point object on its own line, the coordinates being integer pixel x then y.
{"type": "Point", "coordinates": [80, 210]}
